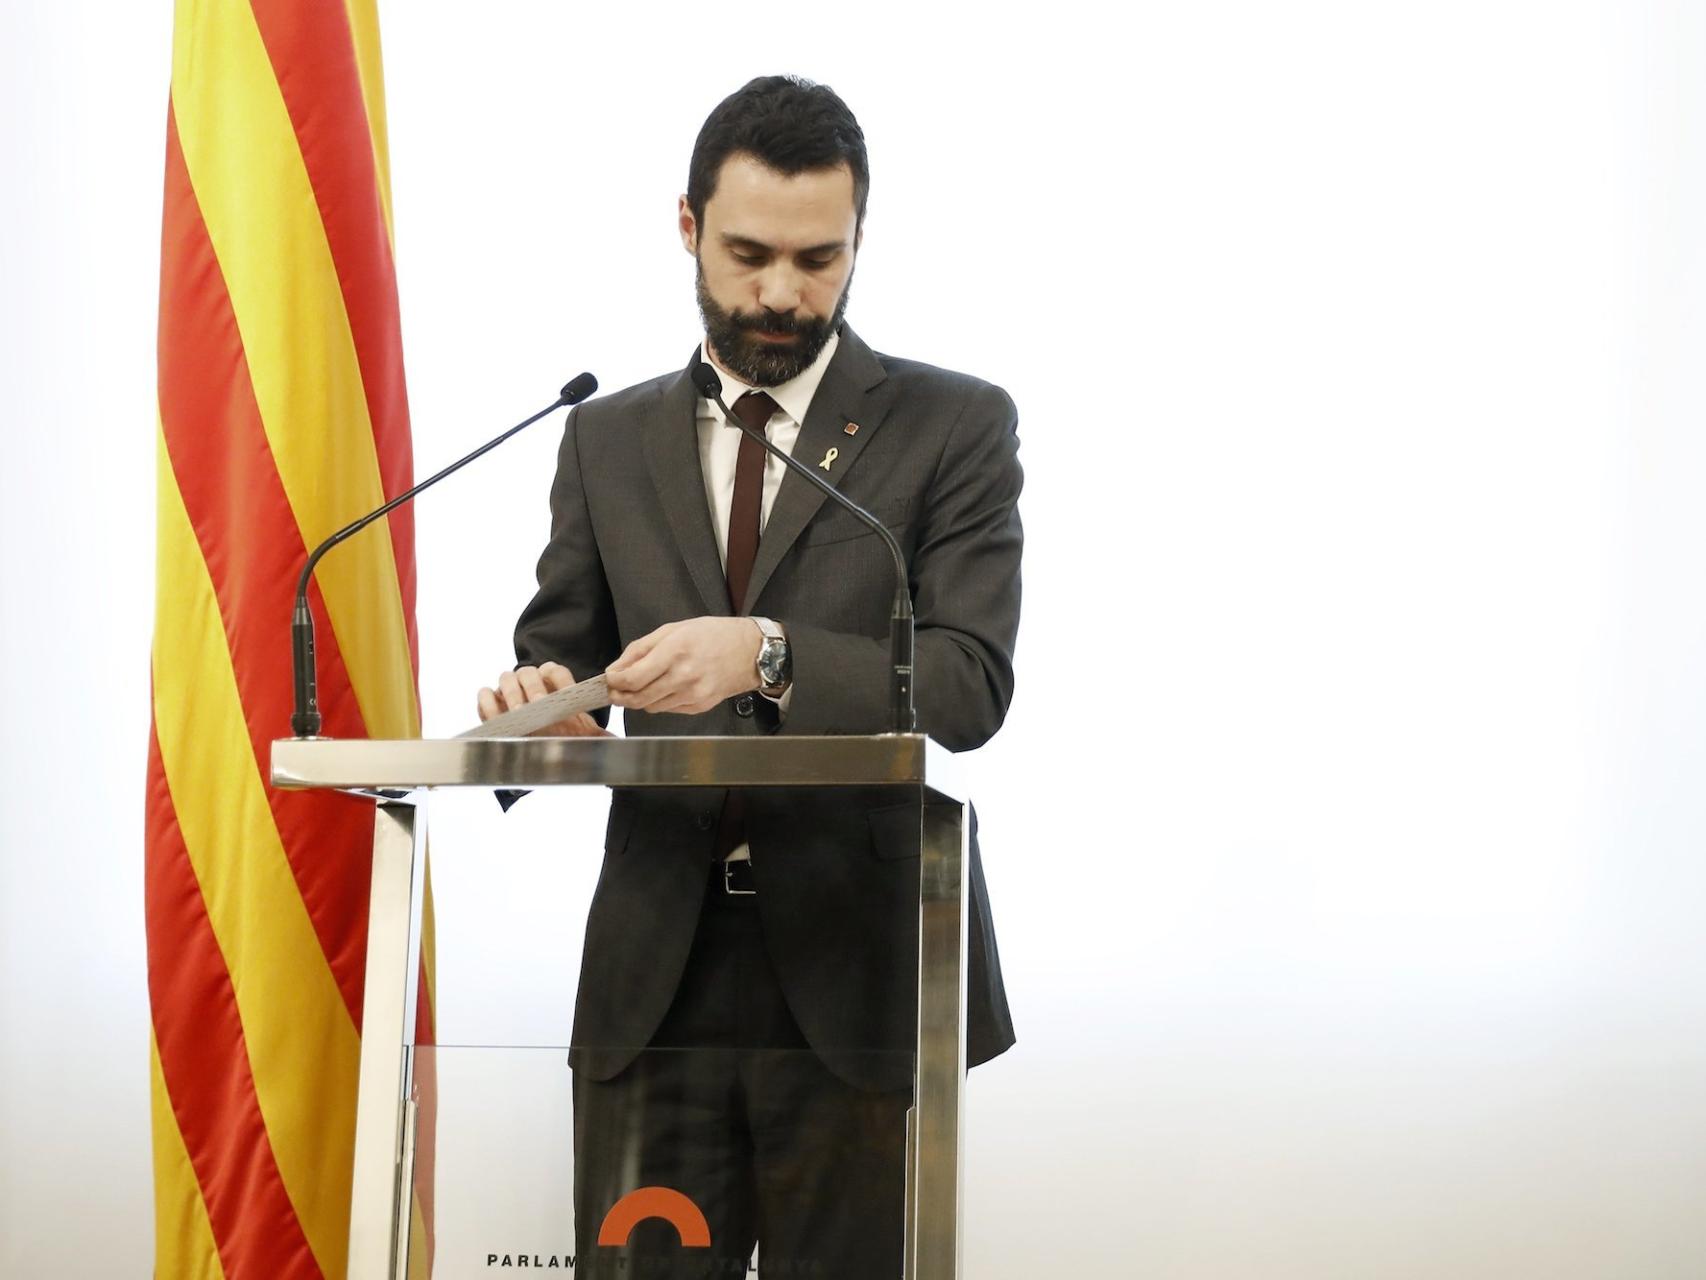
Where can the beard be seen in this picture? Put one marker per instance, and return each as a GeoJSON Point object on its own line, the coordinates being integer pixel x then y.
{"type": "Point", "coordinates": [756, 362]}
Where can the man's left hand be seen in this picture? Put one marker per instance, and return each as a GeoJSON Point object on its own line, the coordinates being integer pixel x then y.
{"type": "Point", "coordinates": [687, 667]}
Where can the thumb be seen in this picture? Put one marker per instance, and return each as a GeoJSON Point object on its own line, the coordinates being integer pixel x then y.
{"type": "Point", "coordinates": [633, 653]}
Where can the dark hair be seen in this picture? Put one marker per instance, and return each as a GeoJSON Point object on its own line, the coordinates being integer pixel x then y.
{"type": "Point", "coordinates": [789, 124]}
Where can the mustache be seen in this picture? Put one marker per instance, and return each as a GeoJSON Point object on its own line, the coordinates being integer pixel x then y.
{"type": "Point", "coordinates": [772, 322]}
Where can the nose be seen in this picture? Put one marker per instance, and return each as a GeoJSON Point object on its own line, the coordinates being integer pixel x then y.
{"type": "Point", "coordinates": [779, 288]}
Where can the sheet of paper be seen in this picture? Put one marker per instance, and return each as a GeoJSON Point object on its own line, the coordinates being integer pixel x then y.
{"type": "Point", "coordinates": [588, 695]}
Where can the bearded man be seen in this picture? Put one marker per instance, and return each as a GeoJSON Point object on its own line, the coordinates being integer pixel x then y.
{"type": "Point", "coordinates": [747, 1005]}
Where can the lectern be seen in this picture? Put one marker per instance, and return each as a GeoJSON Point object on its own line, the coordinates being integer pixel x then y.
{"type": "Point", "coordinates": [393, 773]}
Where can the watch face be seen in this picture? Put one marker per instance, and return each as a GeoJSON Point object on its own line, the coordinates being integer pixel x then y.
{"type": "Point", "coordinates": [773, 662]}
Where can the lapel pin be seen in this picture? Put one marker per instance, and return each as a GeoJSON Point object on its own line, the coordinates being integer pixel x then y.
{"type": "Point", "coordinates": [829, 457]}
{"type": "Point", "coordinates": [852, 428]}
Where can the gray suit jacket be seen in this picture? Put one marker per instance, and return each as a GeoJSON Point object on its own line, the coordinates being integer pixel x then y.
{"type": "Point", "coordinates": [936, 459]}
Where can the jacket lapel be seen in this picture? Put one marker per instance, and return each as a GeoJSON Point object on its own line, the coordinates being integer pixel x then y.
{"type": "Point", "coordinates": [672, 454]}
{"type": "Point", "coordinates": [848, 393]}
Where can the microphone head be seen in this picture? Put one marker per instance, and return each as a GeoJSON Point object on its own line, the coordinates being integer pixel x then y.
{"type": "Point", "coordinates": [706, 379]}
{"type": "Point", "coordinates": [579, 388]}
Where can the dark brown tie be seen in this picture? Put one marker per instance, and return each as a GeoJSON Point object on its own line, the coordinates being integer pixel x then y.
{"type": "Point", "coordinates": [754, 410]}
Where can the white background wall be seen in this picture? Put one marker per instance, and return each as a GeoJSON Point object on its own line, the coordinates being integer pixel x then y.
{"type": "Point", "coordinates": [1345, 835]}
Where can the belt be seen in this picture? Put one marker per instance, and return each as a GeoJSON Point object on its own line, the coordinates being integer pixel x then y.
{"type": "Point", "coordinates": [734, 877]}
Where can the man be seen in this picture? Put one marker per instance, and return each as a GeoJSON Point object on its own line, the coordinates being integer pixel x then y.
{"type": "Point", "coordinates": [747, 1000]}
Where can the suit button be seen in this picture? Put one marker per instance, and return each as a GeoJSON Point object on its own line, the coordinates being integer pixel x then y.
{"type": "Point", "coordinates": [743, 705]}
{"type": "Point", "coordinates": [705, 821]}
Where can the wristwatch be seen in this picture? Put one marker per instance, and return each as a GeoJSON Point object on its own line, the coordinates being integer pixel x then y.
{"type": "Point", "coordinates": [775, 661]}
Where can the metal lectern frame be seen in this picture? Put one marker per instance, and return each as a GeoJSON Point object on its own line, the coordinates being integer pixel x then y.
{"type": "Point", "coordinates": [389, 771]}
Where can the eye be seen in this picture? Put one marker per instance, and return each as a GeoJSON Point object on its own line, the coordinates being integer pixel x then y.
{"type": "Point", "coordinates": [817, 264]}
{"type": "Point", "coordinates": [750, 259]}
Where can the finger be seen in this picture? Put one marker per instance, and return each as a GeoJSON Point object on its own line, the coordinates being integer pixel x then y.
{"type": "Point", "coordinates": [487, 701]}
{"type": "Point", "coordinates": [578, 726]}
{"type": "Point", "coordinates": [640, 648]}
{"type": "Point", "coordinates": [509, 691]}
{"type": "Point", "coordinates": [673, 691]}
{"type": "Point", "coordinates": [629, 655]}
{"type": "Point", "coordinates": [531, 683]}
{"type": "Point", "coordinates": [640, 699]}
{"type": "Point", "coordinates": [556, 675]}
{"type": "Point", "coordinates": [669, 687]}
{"type": "Point", "coordinates": [678, 696]}
{"type": "Point", "coordinates": [652, 666]}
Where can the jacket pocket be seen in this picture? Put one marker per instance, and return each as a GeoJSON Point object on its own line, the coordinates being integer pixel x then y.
{"type": "Point", "coordinates": [895, 831]}
{"type": "Point", "coordinates": [833, 524]}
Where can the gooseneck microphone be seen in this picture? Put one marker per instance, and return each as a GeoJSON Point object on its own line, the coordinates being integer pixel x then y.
{"type": "Point", "coordinates": [903, 718]}
{"type": "Point", "coordinates": [305, 719]}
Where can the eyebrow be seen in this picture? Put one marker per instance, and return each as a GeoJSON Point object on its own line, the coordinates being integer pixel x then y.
{"type": "Point", "coordinates": [745, 242]}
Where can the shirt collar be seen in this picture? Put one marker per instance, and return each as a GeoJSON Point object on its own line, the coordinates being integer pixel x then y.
{"type": "Point", "coordinates": [793, 397]}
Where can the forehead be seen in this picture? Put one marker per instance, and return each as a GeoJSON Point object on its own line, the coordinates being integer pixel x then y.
{"type": "Point", "coordinates": [754, 202]}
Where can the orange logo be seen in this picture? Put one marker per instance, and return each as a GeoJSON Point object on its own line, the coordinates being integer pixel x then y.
{"type": "Point", "coordinates": [655, 1202]}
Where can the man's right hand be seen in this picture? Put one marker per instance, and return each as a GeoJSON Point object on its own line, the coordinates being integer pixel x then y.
{"type": "Point", "coordinates": [519, 687]}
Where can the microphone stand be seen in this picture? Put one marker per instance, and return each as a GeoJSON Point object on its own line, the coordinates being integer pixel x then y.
{"type": "Point", "coordinates": [305, 718]}
{"type": "Point", "coordinates": [903, 716]}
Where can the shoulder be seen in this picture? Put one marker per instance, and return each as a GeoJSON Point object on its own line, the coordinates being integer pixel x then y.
{"type": "Point", "coordinates": [611, 430]}
{"type": "Point", "coordinates": [624, 405]}
{"type": "Point", "coordinates": [973, 402]}
{"type": "Point", "coordinates": [970, 424]}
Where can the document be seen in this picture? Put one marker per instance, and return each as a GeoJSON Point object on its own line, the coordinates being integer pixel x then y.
{"type": "Point", "coordinates": [524, 721]}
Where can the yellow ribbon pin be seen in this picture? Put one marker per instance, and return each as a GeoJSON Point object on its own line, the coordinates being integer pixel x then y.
{"type": "Point", "coordinates": [829, 457]}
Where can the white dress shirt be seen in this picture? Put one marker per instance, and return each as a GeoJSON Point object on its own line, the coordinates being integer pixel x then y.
{"type": "Point", "coordinates": [719, 439]}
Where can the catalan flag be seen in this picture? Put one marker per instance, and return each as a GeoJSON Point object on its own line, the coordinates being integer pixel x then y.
{"type": "Point", "coordinates": [282, 416]}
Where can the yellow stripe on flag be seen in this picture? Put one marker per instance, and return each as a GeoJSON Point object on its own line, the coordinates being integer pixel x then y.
{"type": "Point", "coordinates": [185, 1248]}
{"type": "Point", "coordinates": [429, 939]}
{"type": "Point", "coordinates": [419, 1267]}
{"type": "Point", "coordinates": [255, 197]}
{"type": "Point", "coordinates": [364, 31]}
{"type": "Point", "coordinates": [303, 1048]}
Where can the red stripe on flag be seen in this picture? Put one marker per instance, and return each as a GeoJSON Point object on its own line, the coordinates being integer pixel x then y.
{"type": "Point", "coordinates": [205, 1061]}
{"type": "Point", "coordinates": [249, 537]}
{"type": "Point", "coordinates": [313, 57]}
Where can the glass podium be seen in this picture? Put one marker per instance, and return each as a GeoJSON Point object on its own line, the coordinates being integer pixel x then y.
{"type": "Point", "coordinates": [527, 1172]}
{"type": "Point", "coordinates": [667, 1160]}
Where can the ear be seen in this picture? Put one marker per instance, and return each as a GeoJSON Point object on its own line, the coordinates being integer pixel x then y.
{"type": "Point", "coordinates": [858, 238]}
{"type": "Point", "coordinates": [688, 226]}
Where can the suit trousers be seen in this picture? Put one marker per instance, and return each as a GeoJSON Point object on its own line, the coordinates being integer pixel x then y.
{"type": "Point", "coordinates": [729, 1107]}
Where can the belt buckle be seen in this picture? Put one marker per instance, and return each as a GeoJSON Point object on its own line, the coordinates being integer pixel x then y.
{"type": "Point", "coordinates": [729, 879]}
